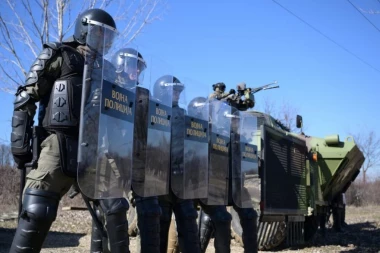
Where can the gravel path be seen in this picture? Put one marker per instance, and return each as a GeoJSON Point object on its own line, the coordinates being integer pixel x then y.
{"type": "Point", "coordinates": [71, 233]}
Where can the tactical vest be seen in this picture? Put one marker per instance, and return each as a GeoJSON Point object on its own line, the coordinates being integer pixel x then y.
{"type": "Point", "coordinates": [61, 110]}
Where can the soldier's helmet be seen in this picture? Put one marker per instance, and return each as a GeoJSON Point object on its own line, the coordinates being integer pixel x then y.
{"type": "Point", "coordinates": [196, 108]}
{"type": "Point", "coordinates": [130, 64]}
{"type": "Point", "coordinates": [167, 87]}
{"type": "Point", "coordinates": [221, 86]}
{"type": "Point", "coordinates": [95, 26]}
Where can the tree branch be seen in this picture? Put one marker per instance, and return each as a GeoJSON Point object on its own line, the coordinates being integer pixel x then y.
{"type": "Point", "coordinates": [28, 24]}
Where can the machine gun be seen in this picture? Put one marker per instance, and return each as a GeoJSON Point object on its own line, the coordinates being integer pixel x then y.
{"type": "Point", "coordinates": [264, 87]}
{"type": "Point", "coordinates": [246, 95]}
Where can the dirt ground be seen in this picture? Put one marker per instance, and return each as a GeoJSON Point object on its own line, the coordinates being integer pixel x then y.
{"type": "Point", "coordinates": [71, 233]}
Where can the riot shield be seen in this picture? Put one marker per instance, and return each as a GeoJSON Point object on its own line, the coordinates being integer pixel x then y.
{"type": "Point", "coordinates": [106, 121]}
{"type": "Point", "coordinates": [244, 157]}
{"type": "Point", "coordinates": [189, 171]}
{"type": "Point", "coordinates": [152, 133]}
{"type": "Point", "coordinates": [219, 149]}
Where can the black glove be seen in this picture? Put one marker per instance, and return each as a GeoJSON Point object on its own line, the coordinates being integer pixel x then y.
{"type": "Point", "coordinates": [232, 91]}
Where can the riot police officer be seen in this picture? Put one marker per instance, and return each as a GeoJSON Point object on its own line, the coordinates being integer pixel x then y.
{"type": "Point", "coordinates": [55, 80]}
{"type": "Point", "coordinates": [130, 66]}
{"type": "Point", "coordinates": [215, 219]}
{"type": "Point", "coordinates": [184, 210]}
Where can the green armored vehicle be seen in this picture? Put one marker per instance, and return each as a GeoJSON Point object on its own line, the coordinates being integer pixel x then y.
{"type": "Point", "coordinates": [298, 178]}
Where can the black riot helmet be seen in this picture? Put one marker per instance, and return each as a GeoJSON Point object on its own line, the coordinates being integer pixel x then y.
{"type": "Point", "coordinates": [130, 62]}
{"type": "Point", "coordinates": [196, 107]}
{"type": "Point", "coordinates": [221, 86]}
{"type": "Point", "coordinates": [99, 22]}
{"type": "Point", "coordinates": [165, 85]}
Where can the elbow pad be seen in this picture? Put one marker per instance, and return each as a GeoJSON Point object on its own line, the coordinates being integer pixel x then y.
{"type": "Point", "coordinates": [21, 125]}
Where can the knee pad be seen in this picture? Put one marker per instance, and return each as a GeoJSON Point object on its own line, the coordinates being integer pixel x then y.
{"type": "Point", "coordinates": [40, 205]}
{"type": "Point", "coordinates": [112, 206]}
{"type": "Point", "coordinates": [39, 212]}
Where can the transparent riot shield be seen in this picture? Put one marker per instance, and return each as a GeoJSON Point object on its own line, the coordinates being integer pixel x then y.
{"type": "Point", "coordinates": [106, 121]}
{"type": "Point", "coordinates": [152, 133]}
{"type": "Point", "coordinates": [219, 149]}
{"type": "Point", "coordinates": [244, 157]}
{"type": "Point", "coordinates": [190, 167]}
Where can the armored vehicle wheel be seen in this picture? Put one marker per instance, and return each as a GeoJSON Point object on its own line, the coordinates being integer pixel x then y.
{"type": "Point", "coordinates": [269, 234]}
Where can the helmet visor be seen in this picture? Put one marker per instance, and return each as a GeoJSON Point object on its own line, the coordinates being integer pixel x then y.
{"type": "Point", "coordinates": [130, 64]}
{"type": "Point", "coordinates": [100, 38]}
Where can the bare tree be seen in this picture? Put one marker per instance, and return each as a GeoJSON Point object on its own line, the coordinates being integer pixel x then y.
{"type": "Point", "coordinates": [283, 112]}
{"type": "Point", "coordinates": [369, 143]}
{"type": "Point", "coordinates": [5, 155]}
{"type": "Point", "coordinates": [25, 25]}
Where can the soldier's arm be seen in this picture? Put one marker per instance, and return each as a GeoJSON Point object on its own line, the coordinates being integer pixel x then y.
{"type": "Point", "coordinates": [39, 81]}
{"type": "Point", "coordinates": [212, 96]}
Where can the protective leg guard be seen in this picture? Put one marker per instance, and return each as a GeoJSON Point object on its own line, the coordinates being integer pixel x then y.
{"type": "Point", "coordinates": [39, 210]}
{"type": "Point", "coordinates": [248, 221]}
{"type": "Point", "coordinates": [96, 235]}
{"type": "Point", "coordinates": [165, 221]}
{"type": "Point", "coordinates": [115, 211]}
{"type": "Point", "coordinates": [148, 221]}
{"type": "Point", "coordinates": [222, 236]}
{"type": "Point", "coordinates": [205, 230]}
{"type": "Point", "coordinates": [186, 217]}
{"type": "Point", "coordinates": [221, 224]}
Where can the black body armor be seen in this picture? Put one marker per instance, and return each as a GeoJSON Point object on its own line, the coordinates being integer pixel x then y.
{"type": "Point", "coordinates": [62, 110]}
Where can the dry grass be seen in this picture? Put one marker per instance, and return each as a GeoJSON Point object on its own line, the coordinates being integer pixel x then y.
{"type": "Point", "coordinates": [71, 233]}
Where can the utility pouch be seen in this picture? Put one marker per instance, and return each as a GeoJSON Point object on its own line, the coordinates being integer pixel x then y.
{"type": "Point", "coordinates": [68, 149]}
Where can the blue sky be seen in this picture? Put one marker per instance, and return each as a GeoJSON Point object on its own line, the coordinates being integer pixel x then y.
{"type": "Point", "coordinates": [258, 42]}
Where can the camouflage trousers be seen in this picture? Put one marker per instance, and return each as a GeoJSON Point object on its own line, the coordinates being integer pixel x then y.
{"type": "Point", "coordinates": [49, 176]}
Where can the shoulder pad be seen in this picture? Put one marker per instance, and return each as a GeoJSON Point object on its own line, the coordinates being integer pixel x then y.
{"type": "Point", "coordinates": [53, 45]}
{"type": "Point", "coordinates": [49, 50]}
{"type": "Point", "coordinates": [22, 97]}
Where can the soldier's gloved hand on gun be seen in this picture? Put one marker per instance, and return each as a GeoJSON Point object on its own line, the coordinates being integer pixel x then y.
{"type": "Point", "coordinates": [249, 98]}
